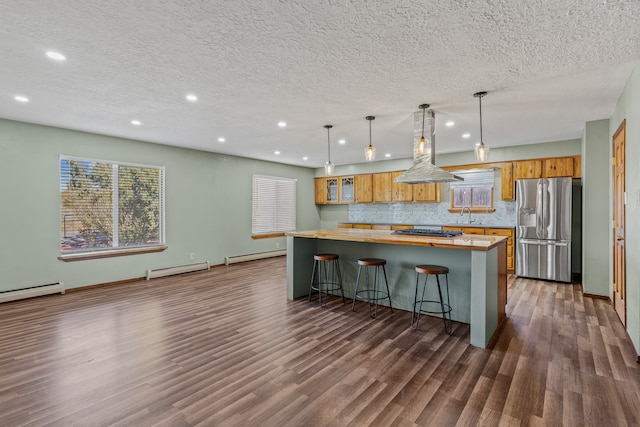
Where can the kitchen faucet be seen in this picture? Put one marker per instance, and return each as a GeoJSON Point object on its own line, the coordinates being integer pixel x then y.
{"type": "Point", "coordinates": [469, 210]}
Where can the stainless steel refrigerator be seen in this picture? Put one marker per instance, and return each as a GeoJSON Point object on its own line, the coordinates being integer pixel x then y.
{"type": "Point", "coordinates": [543, 232]}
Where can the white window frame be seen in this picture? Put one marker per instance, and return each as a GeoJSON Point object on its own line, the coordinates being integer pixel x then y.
{"type": "Point", "coordinates": [115, 245]}
{"type": "Point", "coordinates": [273, 205]}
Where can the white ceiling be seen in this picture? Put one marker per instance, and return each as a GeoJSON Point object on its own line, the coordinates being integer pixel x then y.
{"type": "Point", "coordinates": [548, 65]}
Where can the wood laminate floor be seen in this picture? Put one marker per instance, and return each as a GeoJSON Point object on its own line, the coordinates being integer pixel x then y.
{"type": "Point", "coordinates": [225, 348]}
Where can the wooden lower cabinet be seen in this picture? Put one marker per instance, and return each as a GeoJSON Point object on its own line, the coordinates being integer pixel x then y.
{"type": "Point", "coordinates": [509, 232]}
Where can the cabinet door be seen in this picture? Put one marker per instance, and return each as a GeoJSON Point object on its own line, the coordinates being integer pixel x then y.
{"type": "Point", "coordinates": [510, 251]}
{"type": "Point", "coordinates": [577, 167]}
{"type": "Point", "coordinates": [321, 191]}
{"type": "Point", "coordinates": [400, 192]}
{"type": "Point", "coordinates": [382, 187]}
{"type": "Point", "coordinates": [364, 188]}
{"type": "Point", "coordinates": [508, 185]}
{"type": "Point", "coordinates": [562, 166]}
{"type": "Point", "coordinates": [347, 189]}
{"type": "Point", "coordinates": [427, 192]}
{"type": "Point", "coordinates": [527, 169]}
{"type": "Point", "coordinates": [332, 190]}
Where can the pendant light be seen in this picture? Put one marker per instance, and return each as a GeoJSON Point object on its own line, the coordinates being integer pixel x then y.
{"type": "Point", "coordinates": [423, 147]}
{"type": "Point", "coordinates": [370, 152]}
{"type": "Point", "coordinates": [328, 167]}
{"type": "Point", "coordinates": [482, 151]}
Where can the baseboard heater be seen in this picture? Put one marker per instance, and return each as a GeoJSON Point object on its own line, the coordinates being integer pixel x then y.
{"type": "Point", "coordinates": [34, 291]}
{"type": "Point", "coordinates": [170, 271]}
{"type": "Point", "coordinates": [252, 257]}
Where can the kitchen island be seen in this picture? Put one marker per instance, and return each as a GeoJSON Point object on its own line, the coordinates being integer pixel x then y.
{"type": "Point", "coordinates": [477, 269]}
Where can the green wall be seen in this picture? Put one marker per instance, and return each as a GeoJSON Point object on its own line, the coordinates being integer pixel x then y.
{"type": "Point", "coordinates": [596, 172]}
{"type": "Point", "coordinates": [208, 205]}
{"type": "Point", "coordinates": [628, 107]}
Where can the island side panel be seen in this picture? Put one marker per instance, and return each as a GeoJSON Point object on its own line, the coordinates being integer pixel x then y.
{"type": "Point", "coordinates": [484, 296]}
{"type": "Point", "coordinates": [401, 262]}
{"type": "Point", "coordinates": [300, 253]}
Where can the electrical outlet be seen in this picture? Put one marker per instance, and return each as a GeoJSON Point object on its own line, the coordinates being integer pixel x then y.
{"type": "Point", "coordinates": [192, 256]}
{"type": "Point", "coordinates": [277, 245]}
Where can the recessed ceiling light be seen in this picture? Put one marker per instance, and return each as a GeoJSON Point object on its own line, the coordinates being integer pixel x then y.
{"type": "Point", "coordinates": [191, 97]}
{"type": "Point", "coordinates": [342, 141]}
{"type": "Point", "coordinates": [21, 98]}
{"type": "Point", "coordinates": [277, 153]}
{"type": "Point", "coordinates": [282, 124]}
{"type": "Point", "coordinates": [466, 135]}
{"type": "Point", "coordinates": [305, 158]}
{"type": "Point", "coordinates": [449, 123]}
{"type": "Point", "coordinates": [56, 55]}
{"type": "Point", "coordinates": [136, 122]}
{"type": "Point", "coordinates": [221, 139]}
{"type": "Point", "coordinates": [388, 155]}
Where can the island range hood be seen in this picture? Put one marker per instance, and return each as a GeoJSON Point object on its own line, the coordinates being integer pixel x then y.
{"type": "Point", "coordinates": [424, 169]}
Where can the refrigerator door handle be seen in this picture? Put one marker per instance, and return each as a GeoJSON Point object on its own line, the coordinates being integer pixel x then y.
{"type": "Point", "coordinates": [539, 218]}
{"type": "Point", "coordinates": [542, 242]}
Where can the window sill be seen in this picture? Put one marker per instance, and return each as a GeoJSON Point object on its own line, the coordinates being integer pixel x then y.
{"type": "Point", "coordinates": [110, 253]}
{"type": "Point", "coordinates": [473, 210]}
{"type": "Point", "coordinates": [267, 236]}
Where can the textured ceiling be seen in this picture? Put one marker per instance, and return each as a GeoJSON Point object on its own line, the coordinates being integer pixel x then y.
{"type": "Point", "coordinates": [548, 65]}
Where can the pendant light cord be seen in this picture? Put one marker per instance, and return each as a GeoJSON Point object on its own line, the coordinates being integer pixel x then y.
{"type": "Point", "coordinates": [480, 99]}
{"type": "Point", "coordinates": [423, 110]}
{"type": "Point", "coordinates": [328, 145]}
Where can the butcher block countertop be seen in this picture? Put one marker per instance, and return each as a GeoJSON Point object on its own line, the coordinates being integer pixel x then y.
{"type": "Point", "coordinates": [463, 241]}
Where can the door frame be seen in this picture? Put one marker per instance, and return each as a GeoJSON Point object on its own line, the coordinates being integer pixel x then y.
{"type": "Point", "coordinates": [619, 295]}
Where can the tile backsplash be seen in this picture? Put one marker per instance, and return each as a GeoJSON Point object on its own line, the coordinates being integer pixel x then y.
{"type": "Point", "coordinates": [430, 214]}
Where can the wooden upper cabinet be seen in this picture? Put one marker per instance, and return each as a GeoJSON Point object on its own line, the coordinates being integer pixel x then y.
{"type": "Point", "coordinates": [364, 188]}
{"type": "Point", "coordinates": [508, 184]}
{"type": "Point", "coordinates": [577, 167]}
{"type": "Point", "coordinates": [346, 193]}
{"type": "Point", "coordinates": [524, 169]}
{"type": "Point", "coordinates": [400, 192]}
{"type": "Point", "coordinates": [321, 190]}
{"type": "Point", "coordinates": [427, 192]}
{"type": "Point", "coordinates": [562, 166]}
{"type": "Point", "coordinates": [381, 187]}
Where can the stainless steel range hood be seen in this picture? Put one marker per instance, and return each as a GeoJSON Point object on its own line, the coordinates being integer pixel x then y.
{"type": "Point", "coordinates": [424, 169]}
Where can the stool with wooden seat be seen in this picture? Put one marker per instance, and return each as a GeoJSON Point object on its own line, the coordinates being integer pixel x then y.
{"type": "Point", "coordinates": [372, 295]}
{"type": "Point", "coordinates": [328, 278]}
{"type": "Point", "coordinates": [445, 307]}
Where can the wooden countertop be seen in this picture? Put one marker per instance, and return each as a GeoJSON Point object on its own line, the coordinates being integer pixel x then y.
{"type": "Point", "coordinates": [464, 241]}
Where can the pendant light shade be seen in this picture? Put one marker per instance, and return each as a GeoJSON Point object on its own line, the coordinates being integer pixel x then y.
{"type": "Point", "coordinates": [328, 167]}
{"type": "Point", "coordinates": [423, 146]}
{"type": "Point", "coordinates": [370, 152]}
{"type": "Point", "coordinates": [482, 151]}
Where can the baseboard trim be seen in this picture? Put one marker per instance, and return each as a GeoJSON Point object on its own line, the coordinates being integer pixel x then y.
{"type": "Point", "coordinates": [596, 296]}
{"type": "Point", "coordinates": [125, 281]}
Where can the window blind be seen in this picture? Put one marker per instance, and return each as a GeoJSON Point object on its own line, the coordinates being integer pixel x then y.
{"type": "Point", "coordinates": [110, 205]}
{"type": "Point", "coordinates": [474, 178]}
{"type": "Point", "coordinates": [273, 205]}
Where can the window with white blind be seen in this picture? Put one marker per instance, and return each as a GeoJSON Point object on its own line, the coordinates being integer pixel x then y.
{"type": "Point", "coordinates": [107, 205]}
{"type": "Point", "coordinates": [475, 192]}
{"type": "Point", "coordinates": [273, 205]}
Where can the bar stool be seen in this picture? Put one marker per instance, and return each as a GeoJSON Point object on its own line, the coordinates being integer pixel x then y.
{"type": "Point", "coordinates": [332, 280]}
{"type": "Point", "coordinates": [372, 295]}
{"type": "Point", "coordinates": [445, 308]}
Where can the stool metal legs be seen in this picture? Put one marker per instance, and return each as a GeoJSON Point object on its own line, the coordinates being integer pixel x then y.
{"type": "Point", "coordinates": [372, 294]}
{"type": "Point", "coordinates": [445, 308]}
{"type": "Point", "coordinates": [328, 280]}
